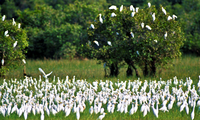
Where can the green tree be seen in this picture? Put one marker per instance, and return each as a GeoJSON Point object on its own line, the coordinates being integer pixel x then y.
{"type": "Point", "coordinates": [13, 41]}
{"type": "Point", "coordinates": [135, 39]}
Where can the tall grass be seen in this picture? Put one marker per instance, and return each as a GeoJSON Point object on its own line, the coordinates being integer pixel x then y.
{"type": "Point", "coordinates": [186, 66]}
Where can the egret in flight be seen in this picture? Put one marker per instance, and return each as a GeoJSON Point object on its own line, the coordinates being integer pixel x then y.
{"type": "Point", "coordinates": [44, 74]}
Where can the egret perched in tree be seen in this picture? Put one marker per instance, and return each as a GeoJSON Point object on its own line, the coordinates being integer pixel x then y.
{"type": "Point", "coordinates": [137, 52]}
{"type": "Point", "coordinates": [169, 18]}
{"type": "Point", "coordinates": [132, 14]}
{"type": "Point", "coordinates": [109, 43]}
{"type": "Point", "coordinates": [165, 35]}
{"type": "Point", "coordinates": [156, 41]}
{"type": "Point", "coordinates": [44, 75]}
{"type": "Point", "coordinates": [6, 33]}
{"type": "Point", "coordinates": [164, 11]}
{"type": "Point", "coordinates": [174, 17]}
{"type": "Point", "coordinates": [136, 9]}
{"type": "Point", "coordinates": [96, 42]}
{"type": "Point", "coordinates": [132, 8]}
{"type": "Point", "coordinates": [149, 4]}
{"type": "Point", "coordinates": [113, 14]}
{"type": "Point", "coordinates": [100, 19]}
{"type": "Point", "coordinates": [101, 116]}
{"type": "Point", "coordinates": [2, 62]}
{"type": "Point", "coordinates": [14, 23]}
{"type": "Point", "coordinates": [153, 16]}
{"type": "Point", "coordinates": [142, 25]}
{"type": "Point", "coordinates": [113, 7]}
{"type": "Point", "coordinates": [23, 60]}
{"type": "Point", "coordinates": [148, 27]}
{"type": "Point", "coordinates": [121, 8]}
{"type": "Point", "coordinates": [92, 26]}
{"type": "Point", "coordinates": [15, 44]}
{"type": "Point", "coordinates": [19, 25]}
{"type": "Point", "coordinates": [132, 34]}
{"type": "Point", "coordinates": [3, 18]}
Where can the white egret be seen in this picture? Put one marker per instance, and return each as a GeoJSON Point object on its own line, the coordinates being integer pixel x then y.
{"type": "Point", "coordinates": [142, 25]}
{"type": "Point", "coordinates": [169, 18]}
{"type": "Point", "coordinates": [155, 41]}
{"type": "Point", "coordinates": [137, 52]}
{"type": "Point", "coordinates": [149, 4]}
{"type": "Point", "coordinates": [117, 33]}
{"type": "Point", "coordinates": [42, 116]}
{"type": "Point", "coordinates": [153, 16]}
{"type": "Point", "coordinates": [3, 18]}
{"type": "Point", "coordinates": [6, 33]}
{"type": "Point", "coordinates": [91, 110]}
{"type": "Point", "coordinates": [101, 116]}
{"type": "Point", "coordinates": [164, 11]}
{"type": "Point", "coordinates": [100, 19]}
{"type": "Point", "coordinates": [113, 7]}
{"type": "Point", "coordinates": [113, 14]}
{"type": "Point", "coordinates": [192, 114]}
{"type": "Point", "coordinates": [165, 35]}
{"type": "Point", "coordinates": [15, 44]}
{"type": "Point", "coordinates": [96, 42]}
{"type": "Point", "coordinates": [174, 17]}
{"type": "Point", "coordinates": [109, 43]}
{"type": "Point", "coordinates": [14, 23]}
{"type": "Point", "coordinates": [2, 62]}
{"type": "Point", "coordinates": [132, 8]}
{"type": "Point", "coordinates": [132, 34]}
{"type": "Point", "coordinates": [92, 26]}
{"type": "Point", "coordinates": [132, 14]}
{"type": "Point", "coordinates": [148, 27]}
{"type": "Point", "coordinates": [44, 75]}
{"type": "Point", "coordinates": [19, 25]}
{"type": "Point", "coordinates": [23, 60]}
{"type": "Point", "coordinates": [136, 9]}
{"type": "Point", "coordinates": [121, 8]}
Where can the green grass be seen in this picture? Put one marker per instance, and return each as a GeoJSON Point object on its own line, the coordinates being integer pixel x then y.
{"type": "Point", "coordinates": [187, 66]}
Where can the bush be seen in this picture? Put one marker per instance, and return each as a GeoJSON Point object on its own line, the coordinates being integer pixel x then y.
{"type": "Point", "coordinates": [12, 45]}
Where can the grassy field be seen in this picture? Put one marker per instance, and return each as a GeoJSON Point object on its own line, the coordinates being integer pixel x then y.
{"type": "Point", "coordinates": [187, 66]}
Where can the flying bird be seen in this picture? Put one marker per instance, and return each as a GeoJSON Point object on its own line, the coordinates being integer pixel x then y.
{"type": "Point", "coordinates": [44, 75]}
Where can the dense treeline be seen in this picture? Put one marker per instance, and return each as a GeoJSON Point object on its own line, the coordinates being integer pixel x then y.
{"type": "Point", "coordinates": [57, 28]}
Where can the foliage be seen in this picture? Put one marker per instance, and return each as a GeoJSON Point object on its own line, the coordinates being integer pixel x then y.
{"type": "Point", "coordinates": [148, 48]}
{"type": "Point", "coordinates": [12, 55]}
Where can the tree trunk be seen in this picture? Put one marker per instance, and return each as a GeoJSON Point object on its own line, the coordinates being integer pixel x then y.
{"type": "Point", "coordinates": [153, 67]}
{"type": "Point", "coordinates": [114, 70]}
{"type": "Point", "coordinates": [145, 71]}
{"type": "Point", "coordinates": [129, 71]}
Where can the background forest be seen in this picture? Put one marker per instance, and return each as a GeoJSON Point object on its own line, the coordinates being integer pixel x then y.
{"type": "Point", "coordinates": [62, 25]}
